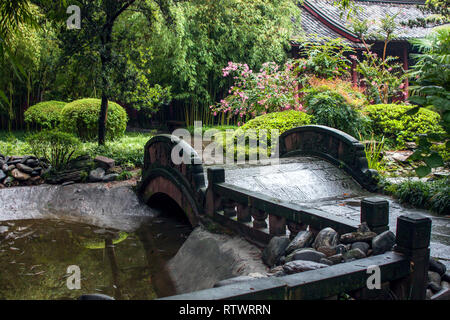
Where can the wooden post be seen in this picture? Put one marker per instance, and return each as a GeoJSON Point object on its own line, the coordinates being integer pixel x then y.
{"type": "Point", "coordinates": [213, 202]}
{"type": "Point", "coordinates": [413, 241]}
{"type": "Point", "coordinates": [375, 212]}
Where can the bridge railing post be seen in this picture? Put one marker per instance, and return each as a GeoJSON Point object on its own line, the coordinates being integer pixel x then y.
{"type": "Point", "coordinates": [375, 212]}
{"type": "Point", "coordinates": [277, 225]}
{"type": "Point", "coordinates": [413, 241]}
{"type": "Point", "coordinates": [213, 202]}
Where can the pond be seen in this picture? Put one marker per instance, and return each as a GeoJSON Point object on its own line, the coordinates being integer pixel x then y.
{"type": "Point", "coordinates": [35, 255]}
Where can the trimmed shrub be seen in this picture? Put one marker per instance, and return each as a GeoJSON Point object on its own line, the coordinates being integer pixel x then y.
{"type": "Point", "coordinates": [45, 115]}
{"type": "Point", "coordinates": [283, 121]}
{"type": "Point", "coordinates": [329, 108]}
{"type": "Point", "coordinates": [80, 117]}
{"type": "Point", "coordinates": [56, 146]}
{"type": "Point", "coordinates": [391, 121]}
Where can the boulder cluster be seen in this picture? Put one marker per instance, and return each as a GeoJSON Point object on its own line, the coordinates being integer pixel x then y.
{"type": "Point", "coordinates": [309, 252]}
{"type": "Point", "coordinates": [26, 170]}
{"type": "Point", "coordinates": [29, 170]}
{"type": "Point", "coordinates": [438, 278]}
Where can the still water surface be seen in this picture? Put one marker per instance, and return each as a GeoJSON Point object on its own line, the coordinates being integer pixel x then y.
{"type": "Point", "coordinates": [35, 254]}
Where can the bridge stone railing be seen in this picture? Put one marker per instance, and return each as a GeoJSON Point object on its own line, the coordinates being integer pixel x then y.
{"type": "Point", "coordinates": [333, 145]}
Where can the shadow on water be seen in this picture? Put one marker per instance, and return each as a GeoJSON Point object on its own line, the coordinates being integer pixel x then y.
{"type": "Point", "coordinates": [35, 255]}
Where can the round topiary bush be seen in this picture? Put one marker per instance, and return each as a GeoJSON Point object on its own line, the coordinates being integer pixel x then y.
{"type": "Point", "coordinates": [80, 117]}
{"type": "Point", "coordinates": [282, 121]}
{"type": "Point", "coordinates": [45, 115]}
{"type": "Point", "coordinates": [391, 121]}
{"type": "Point", "coordinates": [329, 108]}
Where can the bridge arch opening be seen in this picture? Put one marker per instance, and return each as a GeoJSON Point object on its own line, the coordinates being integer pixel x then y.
{"type": "Point", "coordinates": [168, 207]}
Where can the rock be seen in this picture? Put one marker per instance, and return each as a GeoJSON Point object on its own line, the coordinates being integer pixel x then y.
{"type": "Point", "coordinates": [363, 227]}
{"type": "Point", "coordinates": [36, 180]}
{"type": "Point", "coordinates": [32, 163]}
{"type": "Point", "coordinates": [11, 167]}
{"type": "Point", "coordinates": [4, 167]}
{"type": "Point", "coordinates": [308, 255]}
{"type": "Point", "coordinates": [2, 186]}
{"type": "Point", "coordinates": [445, 284]}
{"type": "Point", "coordinates": [326, 261]}
{"type": "Point", "coordinates": [434, 277]}
{"type": "Point", "coordinates": [302, 239]}
{"type": "Point", "coordinates": [429, 294]}
{"type": "Point", "coordinates": [110, 177]}
{"type": "Point", "coordinates": [363, 246]}
{"type": "Point", "coordinates": [8, 181]}
{"type": "Point", "coordinates": [326, 238]}
{"type": "Point", "coordinates": [3, 229]}
{"type": "Point", "coordinates": [104, 162]}
{"type": "Point", "coordinates": [327, 251]}
{"type": "Point", "coordinates": [301, 266]}
{"type": "Point", "coordinates": [2, 175]}
{"type": "Point", "coordinates": [446, 276]}
{"type": "Point", "coordinates": [117, 170]}
{"type": "Point", "coordinates": [274, 250]}
{"type": "Point", "coordinates": [354, 254]}
{"type": "Point", "coordinates": [276, 272]}
{"type": "Point", "coordinates": [352, 237]}
{"type": "Point", "coordinates": [18, 175]}
{"type": "Point", "coordinates": [35, 173]}
{"type": "Point", "coordinates": [383, 242]}
{"type": "Point", "coordinates": [24, 168]}
{"type": "Point", "coordinates": [239, 279]}
{"type": "Point", "coordinates": [434, 265]}
{"type": "Point", "coordinates": [434, 287]}
{"type": "Point", "coordinates": [341, 248]}
{"type": "Point", "coordinates": [337, 258]}
{"type": "Point", "coordinates": [97, 175]}
{"type": "Point", "coordinates": [68, 183]}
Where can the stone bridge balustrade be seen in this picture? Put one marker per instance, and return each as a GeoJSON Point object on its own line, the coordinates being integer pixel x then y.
{"type": "Point", "coordinates": [333, 145]}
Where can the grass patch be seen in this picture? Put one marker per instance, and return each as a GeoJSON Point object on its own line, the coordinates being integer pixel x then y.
{"type": "Point", "coordinates": [430, 195]}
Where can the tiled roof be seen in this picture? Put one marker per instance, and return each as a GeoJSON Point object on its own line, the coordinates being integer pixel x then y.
{"type": "Point", "coordinates": [331, 18]}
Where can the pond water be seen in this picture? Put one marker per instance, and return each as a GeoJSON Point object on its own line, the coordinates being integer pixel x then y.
{"type": "Point", "coordinates": [35, 255]}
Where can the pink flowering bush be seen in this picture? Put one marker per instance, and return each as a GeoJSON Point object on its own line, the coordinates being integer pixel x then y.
{"type": "Point", "coordinates": [257, 93]}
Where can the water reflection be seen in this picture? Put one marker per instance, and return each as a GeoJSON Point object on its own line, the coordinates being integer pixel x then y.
{"type": "Point", "coordinates": [35, 254]}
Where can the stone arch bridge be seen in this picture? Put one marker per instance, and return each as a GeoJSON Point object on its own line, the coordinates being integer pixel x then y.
{"type": "Point", "coordinates": [322, 180]}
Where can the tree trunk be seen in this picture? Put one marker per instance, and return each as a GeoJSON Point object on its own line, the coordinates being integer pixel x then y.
{"type": "Point", "coordinates": [105, 56]}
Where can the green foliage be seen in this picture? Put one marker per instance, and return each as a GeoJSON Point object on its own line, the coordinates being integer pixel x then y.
{"type": "Point", "coordinates": [392, 121]}
{"type": "Point", "coordinates": [433, 195]}
{"type": "Point", "coordinates": [127, 151]}
{"type": "Point", "coordinates": [282, 121]}
{"type": "Point", "coordinates": [383, 78]}
{"type": "Point", "coordinates": [353, 95]}
{"type": "Point", "coordinates": [56, 146]}
{"type": "Point", "coordinates": [431, 88]}
{"type": "Point", "coordinates": [206, 35]}
{"type": "Point", "coordinates": [45, 115]}
{"type": "Point", "coordinates": [329, 108]}
{"type": "Point", "coordinates": [80, 117]}
{"type": "Point", "coordinates": [373, 150]}
{"type": "Point", "coordinates": [14, 144]}
{"type": "Point", "coordinates": [326, 58]}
